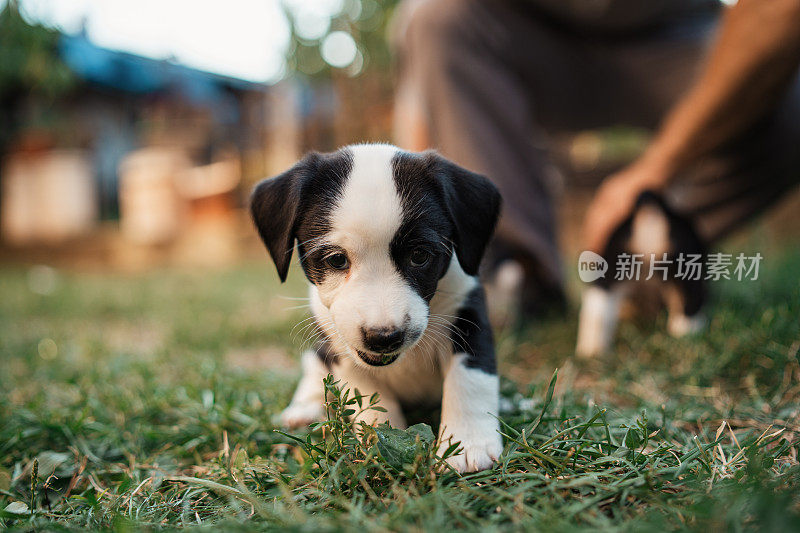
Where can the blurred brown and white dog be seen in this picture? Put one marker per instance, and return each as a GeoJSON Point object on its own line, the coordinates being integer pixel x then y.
{"type": "Point", "coordinates": [391, 242]}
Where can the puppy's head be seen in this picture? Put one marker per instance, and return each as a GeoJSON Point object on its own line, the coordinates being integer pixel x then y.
{"type": "Point", "coordinates": [376, 229]}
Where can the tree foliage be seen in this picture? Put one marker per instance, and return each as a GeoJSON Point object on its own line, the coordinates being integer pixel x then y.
{"type": "Point", "coordinates": [29, 61]}
{"type": "Point", "coordinates": [367, 21]}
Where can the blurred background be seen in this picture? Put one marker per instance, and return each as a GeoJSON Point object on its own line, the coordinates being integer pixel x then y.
{"type": "Point", "coordinates": [131, 132]}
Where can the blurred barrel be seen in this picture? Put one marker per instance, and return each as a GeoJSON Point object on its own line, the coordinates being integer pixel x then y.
{"type": "Point", "coordinates": [150, 208]}
{"type": "Point", "coordinates": [209, 236]}
{"type": "Point", "coordinates": [47, 197]}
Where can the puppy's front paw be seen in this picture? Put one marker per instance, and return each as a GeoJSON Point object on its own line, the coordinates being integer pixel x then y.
{"type": "Point", "coordinates": [478, 453]}
{"type": "Point", "coordinates": [301, 414]}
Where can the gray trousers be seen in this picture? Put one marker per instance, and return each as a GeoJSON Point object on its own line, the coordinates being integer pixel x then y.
{"type": "Point", "coordinates": [495, 78]}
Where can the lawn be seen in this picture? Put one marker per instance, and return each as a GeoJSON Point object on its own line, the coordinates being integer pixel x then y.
{"type": "Point", "coordinates": [148, 401]}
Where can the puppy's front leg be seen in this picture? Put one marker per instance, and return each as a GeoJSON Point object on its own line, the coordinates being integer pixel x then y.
{"type": "Point", "coordinates": [470, 405]}
{"type": "Point", "coordinates": [308, 402]}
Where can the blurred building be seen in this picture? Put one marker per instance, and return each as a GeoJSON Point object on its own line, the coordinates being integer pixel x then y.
{"type": "Point", "coordinates": [153, 142]}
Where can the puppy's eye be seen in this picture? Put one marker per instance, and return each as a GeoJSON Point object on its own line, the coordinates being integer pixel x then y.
{"type": "Point", "coordinates": [337, 261]}
{"type": "Point", "coordinates": [419, 257]}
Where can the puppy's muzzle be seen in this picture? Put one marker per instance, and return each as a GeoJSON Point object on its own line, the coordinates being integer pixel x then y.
{"type": "Point", "coordinates": [385, 344]}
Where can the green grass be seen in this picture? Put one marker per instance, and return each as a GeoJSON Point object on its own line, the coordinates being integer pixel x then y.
{"type": "Point", "coordinates": [131, 402]}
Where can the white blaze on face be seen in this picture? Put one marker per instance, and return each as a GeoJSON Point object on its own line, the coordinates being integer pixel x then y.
{"type": "Point", "coordinates": [373, 293]}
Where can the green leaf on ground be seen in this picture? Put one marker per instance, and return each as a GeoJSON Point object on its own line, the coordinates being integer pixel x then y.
{"type": "Point", "coordinates": [399, 447]}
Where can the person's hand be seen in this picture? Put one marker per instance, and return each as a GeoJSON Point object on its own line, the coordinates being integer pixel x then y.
{"type": "Point", "coordinates": [615, 199]}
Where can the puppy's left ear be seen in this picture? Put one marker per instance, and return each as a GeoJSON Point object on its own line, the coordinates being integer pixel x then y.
{"type": "Point", "coordinates": [474, 204]}
{"type": "Point", "coordinates": [274, 206]}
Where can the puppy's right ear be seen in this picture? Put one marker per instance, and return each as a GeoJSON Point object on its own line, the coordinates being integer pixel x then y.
{"type": "Point", "coordinates": [274, 206]}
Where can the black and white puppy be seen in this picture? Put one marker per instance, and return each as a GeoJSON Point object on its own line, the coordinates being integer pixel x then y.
{"type": "Point", "coordinates": [391, 242]}
{"type": "Point", "coordinates": [653, 230]}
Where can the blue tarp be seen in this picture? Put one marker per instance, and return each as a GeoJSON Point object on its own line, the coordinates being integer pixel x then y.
{"type": "Point", "coordinates": [136, 74]}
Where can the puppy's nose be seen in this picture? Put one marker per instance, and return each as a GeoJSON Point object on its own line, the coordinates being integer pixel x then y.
{"type": "Point", "coordinates": [383, 340]}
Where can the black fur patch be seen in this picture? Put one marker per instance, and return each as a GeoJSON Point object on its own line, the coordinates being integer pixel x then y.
{"type": "Point", "coordinates": [425, 224]}
{"type": "Point", "coordinates": [296, 206]}
{"type": "Point", "coordinates": [472, 333]}
{"type": "Point", "coordinates": [445, 208]}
